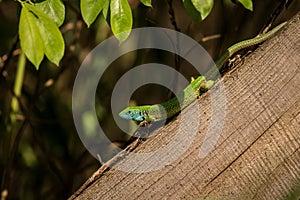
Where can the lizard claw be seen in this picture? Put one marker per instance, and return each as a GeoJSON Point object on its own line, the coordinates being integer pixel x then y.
{"type": "Point", "coordinates": [144, 123]}
{"type": "Point", "coordinates": [206, 85]}
{"type": "Point", "coordinates": [192, 79]}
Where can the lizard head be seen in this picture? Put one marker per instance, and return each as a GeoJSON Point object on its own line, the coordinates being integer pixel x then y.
{"type": "Point", "coordinates": [134, 113]}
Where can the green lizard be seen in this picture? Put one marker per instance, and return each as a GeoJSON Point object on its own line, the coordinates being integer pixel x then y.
{"type": "Point", "coordinates": [150, 113]}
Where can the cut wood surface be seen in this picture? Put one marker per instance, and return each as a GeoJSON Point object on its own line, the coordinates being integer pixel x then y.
{"type": "Point", "coordinates": [256, 154]}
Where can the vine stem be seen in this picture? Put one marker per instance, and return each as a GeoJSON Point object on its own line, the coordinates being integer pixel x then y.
{"type": "Point", "coordinates": [17, 90]}
{"type": "Point", "coordinates": [18, 85]}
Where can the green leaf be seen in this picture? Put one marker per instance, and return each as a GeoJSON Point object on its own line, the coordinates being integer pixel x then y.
{"type": "Point", "coordinates": [106, 11]}
{"type": "Point", "coordinates": [146, 2]}
{"type": "Point", "coordinates": [247, 4]}
{"type": "Point", "coordinates": [55, 9]}
{"type": "Point", "coordinates": [30, 38]}
{"type": "Point", "coordinates": [120, 18]}
{"type": "Point", "coordinates": [90, 9]}
{"type": "Point", "coordinates": [191, 10]}
{"type": "Point", "coordinates": [54, 46]}
{"type": "Point", "coordinates": [203, 6]}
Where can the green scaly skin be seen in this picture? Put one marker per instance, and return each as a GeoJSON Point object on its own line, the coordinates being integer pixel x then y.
{"type": "Point", "coordinates": [166, 110]}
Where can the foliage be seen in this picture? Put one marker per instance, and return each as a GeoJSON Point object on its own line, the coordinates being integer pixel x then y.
{"type": "Point", "coordinates": [39, 33]}
{"type": "Point", "coordinates": [48, 15]}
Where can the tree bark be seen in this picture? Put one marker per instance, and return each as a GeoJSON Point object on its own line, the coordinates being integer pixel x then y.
{"type": "Point", "coordinates": [256, 155]}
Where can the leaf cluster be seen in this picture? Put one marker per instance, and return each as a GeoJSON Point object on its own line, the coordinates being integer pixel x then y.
{"type": "Point", "coordinates": [39, 22]}
{"type": "Point", "coordinates": [39, 32]}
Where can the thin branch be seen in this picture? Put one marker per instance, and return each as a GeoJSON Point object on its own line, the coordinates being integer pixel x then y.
{"type": "Point", "coordinates": [6, 58]}
{"type": "Point", "coordinates": [7, 179]}
{"type": "Point", "coordinates": [177, 59]}
{"type": "Point", "coordinates": [283, 4]}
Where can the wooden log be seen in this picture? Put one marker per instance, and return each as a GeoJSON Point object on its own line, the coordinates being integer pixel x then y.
{"type": "Point", "coordinates": [255, 156]}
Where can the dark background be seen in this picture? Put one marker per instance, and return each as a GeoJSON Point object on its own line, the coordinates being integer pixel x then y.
{"type": "Point", "coordinates": [50, 161]}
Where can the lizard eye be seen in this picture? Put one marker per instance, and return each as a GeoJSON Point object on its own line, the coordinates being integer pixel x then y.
{"type": "Point", "coordinates": [128, 112]}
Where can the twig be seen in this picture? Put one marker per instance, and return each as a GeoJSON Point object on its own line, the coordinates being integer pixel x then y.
{"type": "Point", "coordinates": [7, 179]}
{"type": "Point", "coordinates": [283, 4]}
{"type": "Point", "coordinates": [10, 54]}
{"type": "Point", "coordinates": [106, 166]}
{"type": "Point", "coordinates": [177, 59]}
